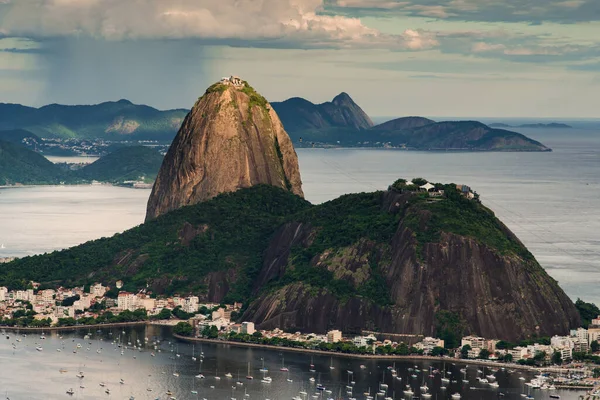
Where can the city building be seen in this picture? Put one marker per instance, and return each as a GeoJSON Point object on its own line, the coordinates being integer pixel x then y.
{"type": "Point", "coordinates": [248, 328]}
{"type": "Point", "coordinates": [428, 344]}
{"type": "Point", "coordinates": [126, 301]}
{"type": "Point", "coordinates": [334, 336]}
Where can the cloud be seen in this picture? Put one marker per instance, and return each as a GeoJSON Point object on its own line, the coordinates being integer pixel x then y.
{"type": "Point", "coordinates": [533, 11]}
{"type": "Point", "coordinates": [262, 23]}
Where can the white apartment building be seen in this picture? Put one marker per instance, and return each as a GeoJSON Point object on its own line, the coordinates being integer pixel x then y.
{"type": "Point", "coordinates": [26, 295]}
{"type": "Point", "coordinates": [518, 353]}
{"type": "Point", "coordinates": [146, 303]}
{"type": "Point", "coordinates": [561, 341]}
{"type": "Point", "coordinates": [46, 296]}
{"type": "Point", "coordinates": [97, 290]}
{"type": "Point", "coordinates": [363, 341]}
{"type": "Point", "coordinates": [566, 353]}
{"type": "Point", "coordinates": [190, 304]}
{"type": "Point", "coordinates": [248, 328]}
{"type": "Point", "coordinates": [3, 293]}
{"type": "Point", "coordinates": [126, 301]}
{"type": "Point", "coordinates": [64, 312]}
{"type": "Point", "coordinates": [428, 344]}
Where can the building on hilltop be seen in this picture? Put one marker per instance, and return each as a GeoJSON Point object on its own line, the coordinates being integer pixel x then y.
{"type": "Point", "coordinates": [232, 80]}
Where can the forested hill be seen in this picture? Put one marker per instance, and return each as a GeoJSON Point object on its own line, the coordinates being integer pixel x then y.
{"type": "Point", "coordinates": [130, 163]}
{"type": "Point", "coordinates": [20, 165]}
{"type": "Point", "coordinates": [114, 120]}
{"type": "Point", "coordinates": [397, 260]}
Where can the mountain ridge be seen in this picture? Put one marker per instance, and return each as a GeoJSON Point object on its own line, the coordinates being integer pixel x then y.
{"type": "Point", "coordinates": [121, 120]}
{"type": "Point", "coordinates": [298, 113]}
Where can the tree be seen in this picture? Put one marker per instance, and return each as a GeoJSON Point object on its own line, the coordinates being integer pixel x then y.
{"type": "Point", "coordinates": [508, 357]}
{"type": "Point", "coordinates": [399, 183]}
{"type": "Point", "coordinates": [596, 372]}
{"type": "Point", "coordinates": [165, 313]}
{"type": "Point", "coordinates": [183, 329]}
{"type": "Point", "coordinates": [179, 313]}
{"type": "Point", "coordinates": [504, 345]}
{"type": "Point", "coordinates": [419, 181]}
{"type": "Point", "coordinates": [556, 358]}
{"type": "Point", "coordinates": [587, 312]}
{"type": "Point", "coordinates": [438, 351]}
{"type": "Point", "coordinates": [540, 356]}
{"type": "Point", "coordinates": [464, 352]}
{"type": "Point", "coordinates": [595, 346]}
{"type": "Point", "coordinates": [484, 354]}
{"type": "Point", "coordinates": [69, 301]}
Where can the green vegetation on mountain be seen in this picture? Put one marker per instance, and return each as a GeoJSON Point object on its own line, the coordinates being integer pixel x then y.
{"type": "Point", "coordinates": [458, 215]}
{"type": "Point", "coordinates": [587, 311]}
{"type": "Point", "coordinates": [233, 229]}
{"type": "Point", "coordinates": [230, 231]}
{"type": "Point", "coordinates": [18, 136]}
{"type": "Point", "coordinates": [19, 165]}
{"type": "Point", "coordinates": [131, 163]}
{"type": "Point", "coordinates": [120, 120]}
{"type": "Point", "coordinates": [264, 244]}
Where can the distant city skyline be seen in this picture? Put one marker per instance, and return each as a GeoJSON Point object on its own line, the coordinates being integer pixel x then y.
{"type": "Point", "coordinates": [492, 58]}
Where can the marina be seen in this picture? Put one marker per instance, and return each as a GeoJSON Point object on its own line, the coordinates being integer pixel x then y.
{"type": "Point", "coordinates": [147, 362]}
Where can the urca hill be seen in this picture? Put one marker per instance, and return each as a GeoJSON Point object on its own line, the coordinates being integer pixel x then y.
{"type": "Point", "coordinates": [415, 258]}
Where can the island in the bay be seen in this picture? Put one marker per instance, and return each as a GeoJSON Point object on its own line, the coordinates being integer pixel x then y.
{"type": "Point", "coordinates": [227, 222]}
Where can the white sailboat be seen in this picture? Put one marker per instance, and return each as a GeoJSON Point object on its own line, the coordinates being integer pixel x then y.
{"type": "Point", "coordinates": [249, 376]}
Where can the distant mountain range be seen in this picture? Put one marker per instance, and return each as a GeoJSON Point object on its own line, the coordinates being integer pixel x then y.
{"type": "Point", "coordinates": [298, 114]}
{"type": "Point", "coordinates": [19, 165]}
{"type": "Point", "coordinates": [552, 125]}
{"type": "Point", "coordinates": [120, 120]}
{"type": "Point", "coordinates": [340, 123]}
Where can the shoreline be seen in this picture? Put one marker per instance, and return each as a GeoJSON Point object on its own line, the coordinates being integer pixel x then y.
{"type": "Point", "coordinates": [71, 327]}
{"type": "Point", "coordinates": [358, 356]}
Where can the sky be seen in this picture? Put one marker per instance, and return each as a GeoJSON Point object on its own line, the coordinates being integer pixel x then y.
{"type": "Point", "coordinates": [453, 58]}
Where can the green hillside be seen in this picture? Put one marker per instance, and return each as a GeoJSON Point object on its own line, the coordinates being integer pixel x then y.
{"type": "Point", "coordinates": [233, 230]}
{"type": "Point", "coordinates": [240, 225]}
{"type": "Point", "coordinates": [397, 261]}
{"type": "Point", "coordinates": [131, 163]}
{"type": "Point", "coordinates": [18, 165]}
{"type": "Point", "coordinates": [120, 120]}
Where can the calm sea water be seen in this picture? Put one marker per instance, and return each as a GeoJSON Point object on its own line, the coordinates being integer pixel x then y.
{"type": "Point", "coordinates": [100, 360]}
{"type": "Point", "coordinates": [550, 200]}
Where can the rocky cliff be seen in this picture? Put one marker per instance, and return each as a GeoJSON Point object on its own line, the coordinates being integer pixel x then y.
{"type": "Point", "coordinates": [429, 275]}
{"type": "Point", "coordinates": [231, 139]}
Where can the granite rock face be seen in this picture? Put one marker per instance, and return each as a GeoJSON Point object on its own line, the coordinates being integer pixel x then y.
{"type": "Point", "coordinates": [494, 295]}
{"type": "Point", "coordinates": [231, 139]}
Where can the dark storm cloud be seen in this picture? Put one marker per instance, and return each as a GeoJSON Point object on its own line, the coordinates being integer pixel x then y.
{"type": "Point", "coordinates": [532, 11]}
